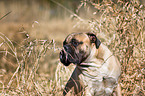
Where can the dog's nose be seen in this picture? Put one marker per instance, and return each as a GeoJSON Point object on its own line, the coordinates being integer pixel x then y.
{"type": "Point", "coordinates": [61, 52]}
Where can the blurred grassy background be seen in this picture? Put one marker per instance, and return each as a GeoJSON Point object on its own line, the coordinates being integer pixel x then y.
{"type": "Point", "coordinates": [35, 30]}
{"type": "Point", "coordinates": [42, 19]}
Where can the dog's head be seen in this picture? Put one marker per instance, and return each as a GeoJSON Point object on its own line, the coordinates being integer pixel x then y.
{"type": "Point", "coordinates": [77, 47]}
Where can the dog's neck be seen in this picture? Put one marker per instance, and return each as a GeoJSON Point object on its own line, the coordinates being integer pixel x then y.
{"type": "Point", "coordinates": [92, 53]}
{"type": "Point", "coordinates": [99, 55]}
{"type": "Point", "coordinates": [103, 52]}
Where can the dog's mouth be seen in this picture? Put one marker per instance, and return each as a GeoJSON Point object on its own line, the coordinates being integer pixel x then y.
{"type": "Point", "coordinates": [70, 55]}
{"type": "Point", "coordinates": [73, 57]}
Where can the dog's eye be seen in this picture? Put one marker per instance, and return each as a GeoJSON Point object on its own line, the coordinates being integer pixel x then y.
{"type": "Point", "coordinates": [74, 42]}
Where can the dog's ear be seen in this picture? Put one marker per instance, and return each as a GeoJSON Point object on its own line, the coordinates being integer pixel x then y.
{"type": "Point", "coordinates": [94, 39]}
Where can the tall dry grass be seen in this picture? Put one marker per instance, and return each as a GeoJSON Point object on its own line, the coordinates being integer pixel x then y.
{"type": "Point", "coordinates": [119, 25]}
{"type": "Point", "coordinates": [122, 28]}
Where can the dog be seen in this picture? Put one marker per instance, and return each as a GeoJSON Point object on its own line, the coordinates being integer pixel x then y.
{"type": "Point", "coordinates": [97, 69]}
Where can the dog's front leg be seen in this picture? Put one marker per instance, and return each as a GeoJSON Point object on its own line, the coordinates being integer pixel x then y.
{"type": "Point", "coordinates": [73, 82]}
{"type": "Point", "coordinates": [109, 84]}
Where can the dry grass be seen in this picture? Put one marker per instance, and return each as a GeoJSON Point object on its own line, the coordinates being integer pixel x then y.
{"type": "Point", "coordinates": [121, 26]}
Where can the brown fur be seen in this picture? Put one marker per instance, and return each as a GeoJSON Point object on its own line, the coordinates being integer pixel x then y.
{"type": "Point", "coordinates": [103, 69]}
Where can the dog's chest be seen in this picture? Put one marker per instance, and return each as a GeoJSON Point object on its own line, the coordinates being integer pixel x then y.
{"type": "Point", "coordinates": [92, 78]}
{"type": "Point", "coordinates": [94, 71]}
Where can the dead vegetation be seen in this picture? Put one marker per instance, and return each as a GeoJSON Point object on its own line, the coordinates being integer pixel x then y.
{"type": "Point", "coordinates": [119, 25]}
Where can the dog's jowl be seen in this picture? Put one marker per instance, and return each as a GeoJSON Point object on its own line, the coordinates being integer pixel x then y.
{"type": "Point", "coordinates": [97, 69]}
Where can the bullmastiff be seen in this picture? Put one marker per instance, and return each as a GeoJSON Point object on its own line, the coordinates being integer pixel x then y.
{"type": "Point", "coordinates": [97, 69]}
